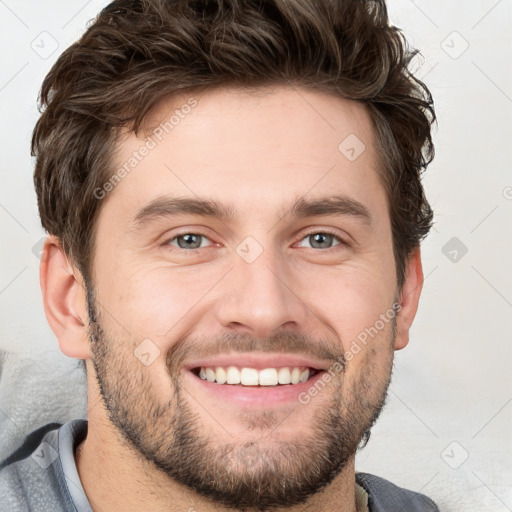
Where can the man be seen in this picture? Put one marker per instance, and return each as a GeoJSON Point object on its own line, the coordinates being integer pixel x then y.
{"type": "Point", "coordinates": [233, 200]}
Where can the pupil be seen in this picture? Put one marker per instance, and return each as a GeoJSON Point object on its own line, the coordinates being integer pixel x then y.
{"type": "Point", "coordinates": [319, 236]}
{"type": "Point", "coordinates": [188, 238]}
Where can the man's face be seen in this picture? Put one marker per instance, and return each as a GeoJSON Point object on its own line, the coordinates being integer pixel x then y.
{"type": "Point", "coordinates": [262, 289]}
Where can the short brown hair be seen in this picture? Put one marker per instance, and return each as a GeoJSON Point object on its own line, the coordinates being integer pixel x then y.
{"type": "Point", "coordinates": [137, 52]}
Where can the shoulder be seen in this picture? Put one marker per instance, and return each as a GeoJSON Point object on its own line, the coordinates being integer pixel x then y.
{"type": "Point", "coordinates": [32, 478]}
{"type": "Point", "coordinates": [384, 496]}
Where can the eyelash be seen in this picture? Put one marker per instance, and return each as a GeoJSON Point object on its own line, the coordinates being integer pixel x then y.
{"type": "Point", "coordinates": [323, 232]}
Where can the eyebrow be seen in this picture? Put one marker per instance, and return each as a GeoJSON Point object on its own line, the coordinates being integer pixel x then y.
{"type": "Point", "coordinates": [168, 206]}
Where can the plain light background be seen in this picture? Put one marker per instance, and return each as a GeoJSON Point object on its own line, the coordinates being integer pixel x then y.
{"type": "Point", "coordinates": [446, 430]}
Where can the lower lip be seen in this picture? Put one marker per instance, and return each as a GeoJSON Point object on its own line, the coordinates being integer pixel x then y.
{"type": "Point", "coordinates": [254, 395]}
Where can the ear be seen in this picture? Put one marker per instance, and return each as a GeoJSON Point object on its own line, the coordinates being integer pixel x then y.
{"type": "Point", "coordinates": [64, 300]}
{"type": "Point", "coordinates": [409, 298]}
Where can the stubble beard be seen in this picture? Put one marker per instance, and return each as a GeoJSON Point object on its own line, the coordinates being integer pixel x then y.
{"type": "Point", "coordinates": [263, 473]}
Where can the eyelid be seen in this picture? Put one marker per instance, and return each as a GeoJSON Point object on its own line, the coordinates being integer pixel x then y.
{"type": "Point", "coordinates": [327, 231]}
{"type": "Point", "coordinates": [167, 241]}
{"type": "Point", "coordinates": [201, 232]}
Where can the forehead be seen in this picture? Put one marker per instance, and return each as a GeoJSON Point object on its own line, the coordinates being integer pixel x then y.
{"type": "Point", "coordinates": [256, 148]}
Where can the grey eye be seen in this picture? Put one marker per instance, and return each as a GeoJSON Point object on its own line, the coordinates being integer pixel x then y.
{"type": "Point", "coordinates": [321, 240]}
{"type": "Point", "coordinates": [188, 241]}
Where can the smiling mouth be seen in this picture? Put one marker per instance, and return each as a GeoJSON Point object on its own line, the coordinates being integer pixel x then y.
{"type": "Point", "coordinates": [252, 377]}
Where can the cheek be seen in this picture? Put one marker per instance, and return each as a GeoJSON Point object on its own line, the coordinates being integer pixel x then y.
{"type": "Point", "coordinates": [352, 301]}
{"type": "Point", "coordinates": [155, 302]}
{"type": "Point", "coordinates": [367, 376]}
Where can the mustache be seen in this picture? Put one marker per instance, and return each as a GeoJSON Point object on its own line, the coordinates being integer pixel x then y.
{"type": "Point", "coordinates": [280, 343]}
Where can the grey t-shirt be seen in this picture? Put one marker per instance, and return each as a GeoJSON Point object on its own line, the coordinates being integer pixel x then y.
{"type": "Point", "coordinates": [41, 476]}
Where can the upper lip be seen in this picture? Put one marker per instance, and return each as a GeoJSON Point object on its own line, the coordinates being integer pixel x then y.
{"type": "Point", "coordinates": [258, 361]}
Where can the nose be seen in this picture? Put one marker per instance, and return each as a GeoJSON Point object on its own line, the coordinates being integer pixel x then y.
{"type": "Point", "coordinates": [259, 298]}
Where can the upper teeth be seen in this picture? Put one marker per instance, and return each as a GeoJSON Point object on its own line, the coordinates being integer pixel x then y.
{"type": "Point", "coordinates": [254, 377]}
